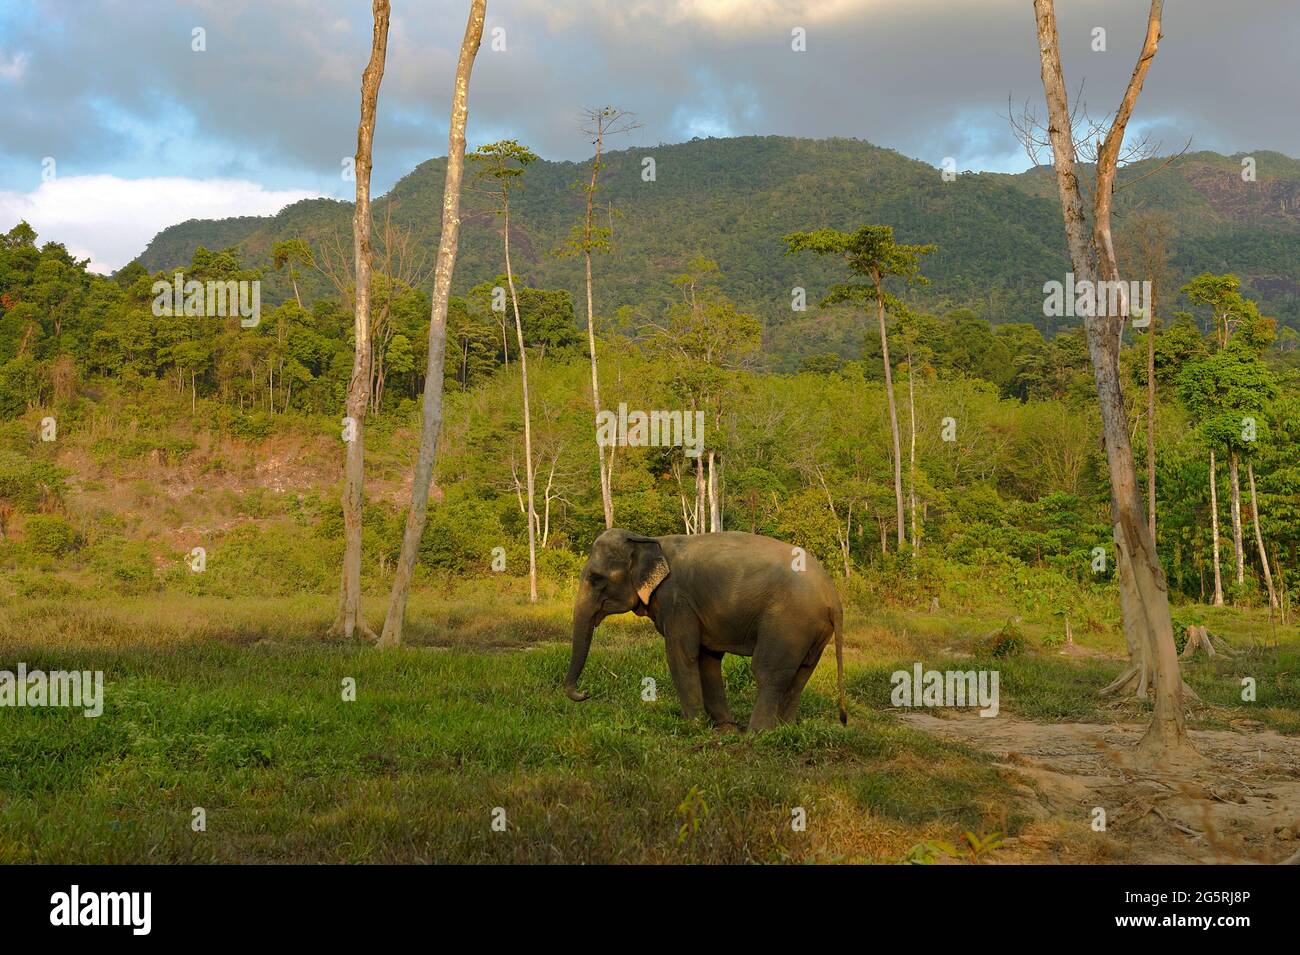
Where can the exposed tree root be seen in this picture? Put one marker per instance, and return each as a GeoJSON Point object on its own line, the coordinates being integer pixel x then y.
{"type": "Point", "coordinates": [1162, 748]}
{"type": "Point", "coordinates": [359, 629]}
{"type": "Point", "coordinates": [1141, 678]}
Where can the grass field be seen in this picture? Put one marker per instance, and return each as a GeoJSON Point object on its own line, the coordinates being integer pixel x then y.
{"type": "Point", "coordinates": [238, 707]}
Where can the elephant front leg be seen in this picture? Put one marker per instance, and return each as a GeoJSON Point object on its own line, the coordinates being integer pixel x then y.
{"type": "Point", "coordinates": [684, 665]}
{"type": "Point", "coordinates": [715, 698]}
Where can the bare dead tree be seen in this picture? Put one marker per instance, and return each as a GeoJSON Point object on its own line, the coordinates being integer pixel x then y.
{"type": "Point", "coordinates": [431, 413]}
{"type": "Point", "coordinates": [1144, 597]}
{"type": "Point", "coordinates": [350, 619]}
{"type": "Point", "coordinates": [404, 264]}
{"type": "Point", "coordinates": [553, 493]}
{"type": "Point", "coordinates": [843, 532]}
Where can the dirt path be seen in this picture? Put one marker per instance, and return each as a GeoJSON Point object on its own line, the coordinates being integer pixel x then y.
{"type": "Point", "coordinates": [1244, 807]}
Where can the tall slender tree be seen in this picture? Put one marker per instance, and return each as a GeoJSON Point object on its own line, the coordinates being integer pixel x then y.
{"type": "Point", "coordinates": [1227, 392]}
{"type": "Point", "coordinates": [1214, 530]}
{"type": "Point", "coordinates": [1144, 595]}
{"type": "Point", "coordinates": [431, 411]}
{"type": "Point", "coordinates": [589, 237]}
{"type": "Point", "coordinates": [1228, 309]}
{"type": "Point", "coordinates": [503, 163]}
{"type": "Point", "coordinates": [350, 618]}
{"type": "Point", "coordinates": [1259, 537]}
{"type": "Point", "coordinates": [871, 253]}
{"type": "Point", "coordinates": [291, 252]}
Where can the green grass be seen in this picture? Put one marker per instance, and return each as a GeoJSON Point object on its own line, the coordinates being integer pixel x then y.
{"type": "Point", "coordinates": [236, 706]}
{"type": "Point", "coordinates": [254, 730]}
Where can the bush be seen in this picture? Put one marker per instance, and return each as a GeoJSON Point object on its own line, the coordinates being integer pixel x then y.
{"type": "Point", "coordinates": [252, 425]}
{"type": "Point", "coordinates": [266, 560]}
{"type": "Point", "coordinates": [28, 483]}
{"type": "Point", "coordinates": [126, 565]}
{"type": "Point", "coordinates": [562, 566]}
{"type": "Point", "coordinates": [460, 535]}
{"type": "Point", "coordinates": [1007, 642]}
{"type": "Point", "coordinates": [51, 535]}
{"type": "Point", "coordinates": [804, 521]}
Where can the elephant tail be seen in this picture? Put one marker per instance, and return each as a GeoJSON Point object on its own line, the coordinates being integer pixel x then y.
{"type": "Point", "coordinates": [837, 620]}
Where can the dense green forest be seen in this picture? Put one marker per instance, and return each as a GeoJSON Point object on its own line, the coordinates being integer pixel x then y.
{"type": "Point", "coordinates": [999, 236]}
{"type": "Point", "coordinates": [1009, 474]}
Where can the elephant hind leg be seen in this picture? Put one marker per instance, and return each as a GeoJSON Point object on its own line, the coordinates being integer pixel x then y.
{"type": "Point", "coordinates": [767, 709]}
{"type": "Point", "coordinates": [783, 661]}
{"type": "Point", "coordinates": [790, 703]}
{"type": "Point", "coordinates": [793, 693]}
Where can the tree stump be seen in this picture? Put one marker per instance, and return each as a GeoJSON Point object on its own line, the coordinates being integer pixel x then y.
{"type": "Point", "coordinates": [1199, 636]}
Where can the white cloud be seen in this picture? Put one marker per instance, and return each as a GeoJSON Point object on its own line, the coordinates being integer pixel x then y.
{"type": "Point", "coordinates": [110, 220]}
{"type": "Point", "coordinates": [13, 67]}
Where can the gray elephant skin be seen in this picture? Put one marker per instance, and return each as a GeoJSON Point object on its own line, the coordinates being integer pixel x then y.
{"type": "Point", "coordinates": [710, 595]}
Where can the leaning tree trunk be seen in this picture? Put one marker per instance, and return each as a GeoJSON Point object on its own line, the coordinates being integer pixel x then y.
{"type": "Point", "coordinates": [1259, 535]}
{"type": "Point", "coordinates": [528, 428]}
{"type": "Point", "coordinates": [1151, 415]}
{"type": "Point", "coordinates": [1144, 599]}
{"type": "Point", "coordinates": [1214, 533]}
{"type": "Point", "coordinates": [349, 618]}
{"type": "Point", "coordinates": [431, 414]}
{"type": "Point", "coordinates": [893, 412]}
{"type": "Point", "coordinates": [1239, 551]}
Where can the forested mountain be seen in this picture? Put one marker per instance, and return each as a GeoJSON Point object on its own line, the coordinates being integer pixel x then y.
{"type": "Point", "coordinates": [695, 311]}
{"type": "Point", "coordinates": [998, 235]}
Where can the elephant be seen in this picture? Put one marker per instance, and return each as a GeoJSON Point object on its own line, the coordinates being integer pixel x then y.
{"type": "Point", "coordinates": [709, 595]}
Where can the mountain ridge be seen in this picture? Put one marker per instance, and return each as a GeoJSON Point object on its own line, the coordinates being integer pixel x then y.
{"type": "Point", "coordinates": [731, 200]}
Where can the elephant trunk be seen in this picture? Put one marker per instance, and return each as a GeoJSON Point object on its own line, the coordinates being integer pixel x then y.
{"type": "Point", "coordinates": [584, 622]}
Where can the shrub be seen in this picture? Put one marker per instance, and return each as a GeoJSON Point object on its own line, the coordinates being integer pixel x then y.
{"type": "Point", "coordinates": [266, 560]}
{"type": "Point", "coordinates": [28, 484]}
{"type": "Point", "coordinates": [51, 535]}
{"type": "Point", "coordinates": [252, 425]}
{"type": "Point", "coordinates": [460, 535]}
{"type": "Point", "coordinates": [1007, 642]}
{"type": "Point", "coordinates": [126, 565]}
{"type": "Point", "coordinates": [562, 566]}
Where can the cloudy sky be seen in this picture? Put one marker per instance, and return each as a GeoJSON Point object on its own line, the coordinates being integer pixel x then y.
{"type": "Point", "coordinates": [114, 126]}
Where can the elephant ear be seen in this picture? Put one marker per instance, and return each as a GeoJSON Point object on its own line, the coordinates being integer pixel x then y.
{"type": "Point", "coordinates": [649, 566]}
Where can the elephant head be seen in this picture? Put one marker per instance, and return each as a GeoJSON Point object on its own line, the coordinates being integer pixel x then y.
{"type": "Point", "coordinates": [620, 576]}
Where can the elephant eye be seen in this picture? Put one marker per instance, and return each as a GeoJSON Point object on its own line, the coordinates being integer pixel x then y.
{"type": "Point", "coordinates": [595, 578]}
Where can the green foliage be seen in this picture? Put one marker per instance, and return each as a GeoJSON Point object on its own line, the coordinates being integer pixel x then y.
{"type": "Point", "coordinates": [30, 483]}
{"type": "Point", "coordinates": [50, 534]}
{"type": "Point", "coordinates": [1019, 490]}
{"type": "Point", "coordinates": [731, 199]}
{"type": "Point", "coordinates": [1007, 642]}
{"type": "Point", "coordinates": [126, 565]}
